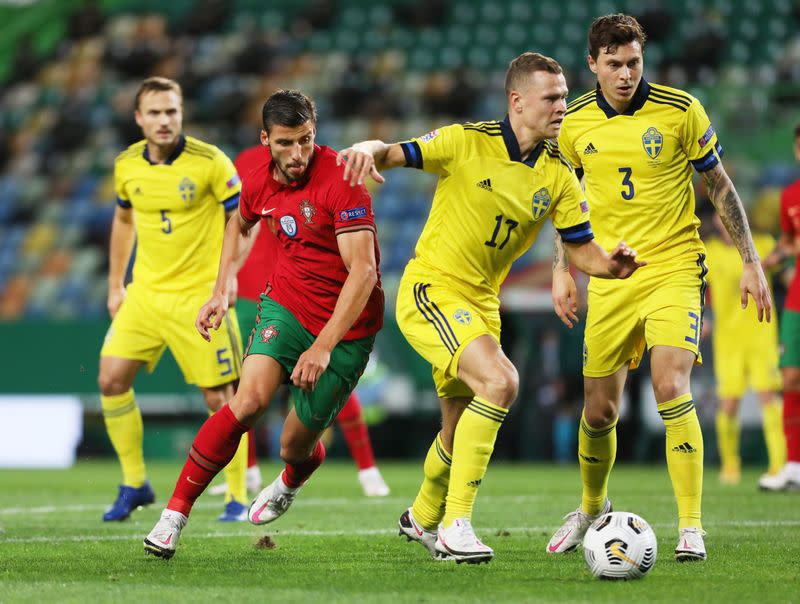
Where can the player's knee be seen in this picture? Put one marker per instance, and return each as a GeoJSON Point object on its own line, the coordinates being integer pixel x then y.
{"type": "Point", "coordinates": [248, 406]}
{"type": "Point", "coordinates": [111, 385]}
{"type": "Point", "coordinates": [501, 385]}
{"type": "Point", "coordinates": [600, 416]}
{"type": "Point", "coordinates": [293, 453]}
{"type": "Point", "coordinates": [669, 387]}
{"type": "Point", "coordinates": [215, 399]}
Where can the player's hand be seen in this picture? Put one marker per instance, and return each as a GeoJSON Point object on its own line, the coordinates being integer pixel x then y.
{"type": "Point", "coordinates": [358, 164]}
{"type": "Point", "coordinates": [622, 261]}
{"type": "Point", "coordinates": [773, 259]}
{"type": "Point", "coordinates": [565, 297]}
{"type": "Point", "coordinates": [211, 315]}
{"type": "Point", "coordinates": [115, 298]}
{"type": "Point", "coordinates": [754, 282]}
{"type": "Point", "coordinates": [310, 366]}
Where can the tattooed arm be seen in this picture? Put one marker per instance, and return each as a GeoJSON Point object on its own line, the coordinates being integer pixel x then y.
{"type": "Point", "coordinates": [564, 292]}
{"type": "Point", "coordinates": [727, 203]}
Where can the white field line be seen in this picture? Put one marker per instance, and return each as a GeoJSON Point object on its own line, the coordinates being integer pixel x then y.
{"type": "Point", "coordinates": [253, 532]}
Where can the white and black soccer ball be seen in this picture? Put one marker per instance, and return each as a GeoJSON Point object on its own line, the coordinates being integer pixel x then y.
{"type": "Point", "coordinates": [620, 545]}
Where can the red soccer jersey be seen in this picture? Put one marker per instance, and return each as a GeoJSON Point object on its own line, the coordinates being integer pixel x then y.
{"type": "Point", "coordinates": [256, 270]}
{"type": "Point", "coordinates": [306, 217]}
{"type": "Point", "coordinates": [790, 225]}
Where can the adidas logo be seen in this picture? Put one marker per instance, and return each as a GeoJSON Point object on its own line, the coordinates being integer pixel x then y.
{"type": "Point", "coordinates": [589, 459]}
{"type": "Point", "coordinates": [684, 448]}
{"type": "Point", "coordinates": [590, 148]}
{"type": "Point", "coordinates": [475, 483]}
{"type": "Point", "coordinates": [486, 184]}
{"type": "Point", "coordinates": [138, 191]}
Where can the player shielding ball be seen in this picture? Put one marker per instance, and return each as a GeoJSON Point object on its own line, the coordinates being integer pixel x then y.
{"type": "Point", "coordinates": [635, 144]}
{"type": "Point", "coordinates": [499, 181]}
{"type": "Point", "coordinates": [317, 318]}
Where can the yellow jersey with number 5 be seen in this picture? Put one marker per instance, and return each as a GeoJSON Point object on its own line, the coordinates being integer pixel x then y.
{"type": "Point", "coordinates": [490, 203]}
{"type": "Point", "coordinates": [637, 167]}
{"type": "Point", "coordinates": [179, 212]}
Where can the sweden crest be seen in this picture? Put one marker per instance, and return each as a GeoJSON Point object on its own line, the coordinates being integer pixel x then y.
{"type": "Point", "coordinates": [540, 203]}
{"type": "Point", "coordinates": [187, 190]}
{"type": "Point", "coordinates": [653, 141]}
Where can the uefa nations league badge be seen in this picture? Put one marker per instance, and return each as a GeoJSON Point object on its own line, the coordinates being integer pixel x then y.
{"type": "Point", "coordinates": [289, 225]}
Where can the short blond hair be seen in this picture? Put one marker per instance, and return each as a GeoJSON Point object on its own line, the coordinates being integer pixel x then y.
{"type": "Point", "coordinates": [524, 65]}
{"type": "Point", "coordinates": [157, 84]}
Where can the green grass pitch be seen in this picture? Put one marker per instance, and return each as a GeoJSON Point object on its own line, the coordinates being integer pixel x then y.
{"type": "Point", "coordinates": [334, 545]}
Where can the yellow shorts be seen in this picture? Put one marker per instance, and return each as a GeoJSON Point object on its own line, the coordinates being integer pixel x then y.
{"type": "Point", "coordinates": [439, 322]}
{"type": "Point", "coordinates": [148, 322]}
{"type": "Point", "coordinates": [741, 361]}
{"type": "Point", "coordinates": [660, 305]}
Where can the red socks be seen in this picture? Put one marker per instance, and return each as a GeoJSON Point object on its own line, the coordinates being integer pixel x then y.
{"type": "Point", "coordinates": [251, 448]}
{"type": "Point", "coordinates": [295, 475]}
{"type": "Point", "coordinates": [791, 424]}
{"type": "Point", "coordinates": [351, 421]}
{"type": "Point", "coordinates": [213, 447]}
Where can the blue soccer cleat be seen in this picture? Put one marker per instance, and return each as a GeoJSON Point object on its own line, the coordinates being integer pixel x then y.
{"type": "Point", "coordinates": [234, 512]}
{"type": "Point", "coordinates": [128, 499]}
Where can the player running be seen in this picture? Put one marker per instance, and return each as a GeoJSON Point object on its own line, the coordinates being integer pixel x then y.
{"type": "Point", "coordinates": [173, 192]}
{"type": "Point", "coordinates": [317, 318]}
{"type": "Point", "coordinates": [635, 144]}
{"type": "Point", "coordinates": [498, 183]}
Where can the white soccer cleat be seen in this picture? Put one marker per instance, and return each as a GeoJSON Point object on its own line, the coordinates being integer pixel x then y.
{"type": "Point", "coordinates": [372, 482]}
{"type": "Point", "coordinates": [252, 480]}
{"type": "Point", "coordinates": [272, 502]}
{"type": "Point", "coordinates": [413, 531]}
{"type": "Point", "coordinates": [460, 542]}
{"type": "Point", "coordinates": [787, 479]}
{"type": "Point", "coordinates": [162, 541]}
{"type": "Point", "coordinates": [691, 547]}
{"type": "Point", "coordinates": [567, 538]}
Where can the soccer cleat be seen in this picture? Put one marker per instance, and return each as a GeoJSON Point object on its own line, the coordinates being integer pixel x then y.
{"type": "Point", "coordinates": [252, 480]}
{"type": "Point", "coordinates": [234, 512]}
{"type": "Point", "coordinates": [413, 531]}
{"type": "Point", "coordinates": [690, 546]}
{"type": "Point", "coordinates": [784, 480]}
{"type": "Point", "coordinates": [163, 539]}
{"type": "Point", "coordinates": [272, 502]}
{"type": "Point", "coordinates": [372, 482]}
{"type": "Point", "coordinates": [459, 542]}
{"type": "Point", "coordinates": [128, 499]}
{"type": "Point", "coordinates": [567, 538]}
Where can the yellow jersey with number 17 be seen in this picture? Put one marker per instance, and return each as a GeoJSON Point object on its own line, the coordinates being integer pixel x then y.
{"type": "Point", "coordinates": [637, 167]}
{"type": "Point", "coordinates": [490, 203]}
{"type": "Point", "coordinates": [179, 212]}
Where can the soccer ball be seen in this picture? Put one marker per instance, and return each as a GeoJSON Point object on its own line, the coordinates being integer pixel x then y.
{"type": "Point", "coordinates": [620, 545]}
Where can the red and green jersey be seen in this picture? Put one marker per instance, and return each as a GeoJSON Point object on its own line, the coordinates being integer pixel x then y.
{"type": "Point", "coordinates": [790, 225]}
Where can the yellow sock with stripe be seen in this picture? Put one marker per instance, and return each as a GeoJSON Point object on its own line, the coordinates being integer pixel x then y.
{"type": "Point", "coordinates": [728, 442]}
{"type": "Point", "coordinates": [774, 436]}
{"type": "Point", "coordinates": [236, 472]}
{"type": "Point", "coordinates": [597, 450]}
{"type": "Point", "coordinates": [428, 508]}
{"type": "Point", "coordinates": [684, 444]}
{"type": "Point", "coordinates": [124, 426]}
{"type": "Point", "coordinates": [473, 444]}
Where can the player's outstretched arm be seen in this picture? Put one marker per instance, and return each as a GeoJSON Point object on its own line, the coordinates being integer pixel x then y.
{"type": "Point", "coordinates": [593, 260]}
{"type": "Point", "coordinates": [369, 158]}
{"type": "Point", "coordinates": [564, 292]}
{"type": "Point", "coordinates": [235, 240]}
{"type": "Point", "coordinates": [727, 203]}
{"type": "Point", "coordinates": [123, 235]}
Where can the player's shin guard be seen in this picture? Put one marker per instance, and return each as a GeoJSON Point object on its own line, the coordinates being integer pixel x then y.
{"type": "Point", "coordinates": [473, 444]}
{"type": "Point", "coordinates": [124, 425]}
{"type": "Point", "coordinates": [684, 457]}
{"type": "Point", "coordinates": [774, 437]}
{"type": "Point", "coordinates": [351, 421]}
{"type": "Point", "coordinates": [791, 425]}
{"type": "Point", "coordinates": [728, 442]}
{"type": "Point", "coordinates": [597, 450]}
{"type": "Point", "coordinates": [294, 475]}
{"type": "Point", "coordinates": [214, 446]}
{"type": "Point", "coordinates": [428, 508]}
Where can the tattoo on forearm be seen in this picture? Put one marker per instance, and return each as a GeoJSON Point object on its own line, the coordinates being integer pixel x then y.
{"type": "Point", "coordinates": [559, 254]}
{"type": "Point", "coordinates": [727, 203]}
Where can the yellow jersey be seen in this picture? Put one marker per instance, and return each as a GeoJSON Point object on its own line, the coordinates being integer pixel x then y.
{"type": "Point", "coordinates": [490, 203]}
{"type": "Point", "coordinates": [179, 212]}
{"type": "Point", "coordinates": [637, 167]}
{"type": "Point", "coordinates": [724, 272]}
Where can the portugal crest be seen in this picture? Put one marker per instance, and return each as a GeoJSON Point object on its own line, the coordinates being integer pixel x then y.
{"type": "Point", "coordinates": [652, 140]}
{"type": "Point", "coordinates": [268, 333]}
{"type": "Point", "coordinates": [187, 190]}
{"type": "Point", "coordinates": [540, 203]}
{"type": "Point", "coordinates": [307, 211]}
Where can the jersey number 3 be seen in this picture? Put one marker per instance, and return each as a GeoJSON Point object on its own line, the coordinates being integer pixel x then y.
{"type": "Point", "coordinates": [511, 224]}
{"type": "Point", "coordinates": [628, 192]}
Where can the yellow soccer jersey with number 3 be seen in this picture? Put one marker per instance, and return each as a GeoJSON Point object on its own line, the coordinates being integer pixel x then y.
{"type": "Point", "coordinates": [179, 211]}
{"type": "Point", "coordinates": [637, 167]}
{"type": "Point", "coordinates": [490, 204]}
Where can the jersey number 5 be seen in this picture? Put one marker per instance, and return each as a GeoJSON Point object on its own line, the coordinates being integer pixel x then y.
{"type": "Point", "coordinates": [511, 224]}
{"type": "Point", "coordinates": [628, 192]}
{"type": "Point", "coordinates": [166, 223]}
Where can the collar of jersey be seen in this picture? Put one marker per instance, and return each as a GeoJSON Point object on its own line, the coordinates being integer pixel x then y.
{"type": "Point", "coordinates": [637, 102]}
{"type": "Point", "coordinates": [278, 185]}
{"type": "Point", "coordinates": [173, 156]}
{"type": "Point", "coordinates": [512, 145]}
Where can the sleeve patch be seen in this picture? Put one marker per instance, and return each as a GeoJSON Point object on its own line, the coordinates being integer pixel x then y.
{"type": "Point", "coordinates": [234, 180]}
{"type": "Point", "coordinates": [353, 214]}
{"type": "Point", "coordinates": [426, 138]}
{"type": "Point", "coordinates": [703, 140]}
{"type": "Point", "coordinates": [584, 207]}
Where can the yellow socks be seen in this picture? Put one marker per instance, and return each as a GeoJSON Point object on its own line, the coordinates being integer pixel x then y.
{"type": "Point", "coordinates": [597, 449]}
{"type": "Point", "coordinates": [124, 425]}
{"type": "Point", "coordinates": [684, 457]}
{"type": "Point", "coordinates": [428, 508]}
{"type": "Point", "coordinates": [774, 436]}
{"type": "Point", "coordinates": [728, 445]}
{"type": "Point", "coordinates": [473, 444]}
